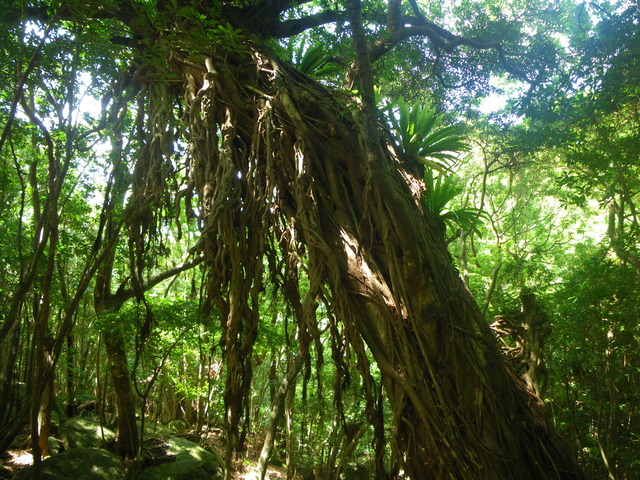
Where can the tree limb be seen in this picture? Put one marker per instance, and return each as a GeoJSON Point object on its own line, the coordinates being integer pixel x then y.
{"type": "Point", "coordinates": [124, 294]}
{"type": "Point", "coordinates": [442, 39]}
{"type": "Point", "coordinates": [289, 28]}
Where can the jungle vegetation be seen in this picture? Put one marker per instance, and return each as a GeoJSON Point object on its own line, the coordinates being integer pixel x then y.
{"type": "Point", "coordinates": [396, 236]}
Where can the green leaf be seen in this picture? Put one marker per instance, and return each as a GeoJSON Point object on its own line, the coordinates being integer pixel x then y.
{"type": "Point", "coordinates": [420, 135]}
{"type": "Point", "coordinates": [315, 61]}
{"type": "Point", "coordinates": [439, 191]}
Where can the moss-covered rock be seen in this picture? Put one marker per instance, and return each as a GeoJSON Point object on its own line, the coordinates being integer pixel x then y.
{"type": "Point", "coordinates": [153, 429]}
{"type": "Point", "coordinates": [79, 464]}
{"type": "Point", "coordinates": [84, 432]}
{"type": "Point", "coordinates": [188, 461]}
{"type": "Point", "coordinates": [177, 426]}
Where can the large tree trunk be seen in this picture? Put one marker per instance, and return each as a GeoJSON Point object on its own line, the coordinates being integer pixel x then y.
{"type": "Point", "coordinates": [128, 440]}
{"type": "Point", "coordinates": [457, 410]}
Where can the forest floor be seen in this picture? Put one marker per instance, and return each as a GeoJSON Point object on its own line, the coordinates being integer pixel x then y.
{"type": "Point", "coordinates": [245, 469]}
{"type": "Point", "coordinates": [15, 460]}
{"type": "Point", "coordinates": [12, 461]}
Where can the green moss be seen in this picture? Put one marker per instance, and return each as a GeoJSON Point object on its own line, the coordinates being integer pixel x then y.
{"type": "Point", "coordinates": [79, 464]}
{"type": "Point", "coordinates": [192, 462]}
{"type": "Point", "coordinates": [83, 432]}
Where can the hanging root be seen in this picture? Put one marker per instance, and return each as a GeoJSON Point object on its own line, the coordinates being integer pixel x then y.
{"type": "Point", "coordinates": [272, 152]}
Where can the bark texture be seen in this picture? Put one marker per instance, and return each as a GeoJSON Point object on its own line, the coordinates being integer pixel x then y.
{"type": "Point", "coordinates": [525, 350]}
{"type": "Point", "coordinates": [271, 147]}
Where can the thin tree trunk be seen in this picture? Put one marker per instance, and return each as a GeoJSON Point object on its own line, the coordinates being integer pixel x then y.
{"type": "Point", "coordinates": [12, 419]}
{"type": "Point", "coordinates": [492, 287]}
{"type": "Point", "coordinates": [535, 369]}
{"type": "Point", "coordinates": [72, 407]}
{"type": "Point", "coordinates": [608, 450]}
{"type": "Point", "coordinates": [42, 388]}
{"type": "Point", "coordinates": [288, 422]}
{"type": "Point", "coordinates": [105, 302]}
{"type": "Point", "coordinates": [277, 411]}
{"type": "Point", "coordinates": [44, 416]}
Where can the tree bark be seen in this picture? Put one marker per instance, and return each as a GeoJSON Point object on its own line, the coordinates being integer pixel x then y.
{"type": "Point", "coordinates": [457, 410]}
{"type": "Point", "coordinates": [128, 440]}
{"type": "Point", "coordinates": [534, 367]}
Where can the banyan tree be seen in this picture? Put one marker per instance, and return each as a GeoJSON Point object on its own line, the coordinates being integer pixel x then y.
{"type": "Point", "coordinates": [285, 176]}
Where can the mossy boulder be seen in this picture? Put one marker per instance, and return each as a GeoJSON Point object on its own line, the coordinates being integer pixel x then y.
{"type": "Point", "coordinates": [184, 460]}
{"type": "Point", "coordinates": [177, 426]}
{"type": "Point", "coordinates": [84, 432]}
{"type": "Point", "coordinates": [79, 464]}
{"type": "Point", "coordinates": [153, 429]}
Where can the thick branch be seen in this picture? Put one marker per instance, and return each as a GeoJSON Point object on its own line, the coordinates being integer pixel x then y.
{"type": "Point", "coordinates": [443, 39]}
{"type": "Point", "coordinates": [289, 28]}
{"type": "Point", "coordinates": [363, 65]}
{"type": "Point", "coordinates": [394, 16]}
{"type": "Point", "coordinates": [124, 294]}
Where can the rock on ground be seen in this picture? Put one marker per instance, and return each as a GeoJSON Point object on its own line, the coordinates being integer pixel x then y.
{"type": "Point", "coordinates": [84, 432]}
{"type": "Point", "coordinates": [183, 460]}
{"type": "Point", "coordinates": [79, 464]}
